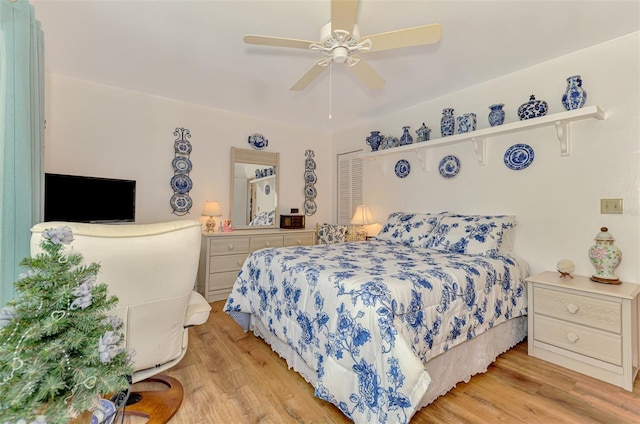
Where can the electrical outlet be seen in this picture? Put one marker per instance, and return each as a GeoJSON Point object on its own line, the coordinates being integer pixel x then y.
{"type": "Point", "coordinates": [610, 206]}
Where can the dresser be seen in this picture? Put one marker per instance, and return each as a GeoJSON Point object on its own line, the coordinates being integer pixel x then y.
{"type": "Point", "coordinates": [222, 255]}
{"type": "Point", "coordinates": [588, 327]}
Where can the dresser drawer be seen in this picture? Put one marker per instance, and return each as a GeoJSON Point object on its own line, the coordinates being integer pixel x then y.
{"type": "Point", "coordinates": [304, 239]}
{"type": "Point", "coordinates": [261, 242]}
{"type": "Point", "coordinates": [224, 263]}
{"type": "Point", "coordinates": [586, 341]}
{"type": "Point", "coordinates": [220, 285]}
{"type": "Point", "coordinates": [229, 246]}
{"type": "Point", "coordinates": [597, 313]}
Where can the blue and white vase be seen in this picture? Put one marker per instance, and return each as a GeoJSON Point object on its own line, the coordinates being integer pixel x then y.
{"type": "Point", "coordinates": [374, 140]}
{"type": "Point", "coordinates": [575, 96]}
{"type": "Point", "coordinates": [532, 109]}
{"type": "Point", "coordinates": [466, 123]}
{"type": "Point", "coordinates": [424, 133]}
{"type": "Point", "coordinates": [496, 116]}
{"type": "Point", "coordinates": [447, 122]}
{"type": "Point", "coordinates": [406, 138]}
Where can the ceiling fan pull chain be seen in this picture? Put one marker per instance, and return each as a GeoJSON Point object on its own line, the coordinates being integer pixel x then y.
{"type": "Point", "coordinates": [330, 85]}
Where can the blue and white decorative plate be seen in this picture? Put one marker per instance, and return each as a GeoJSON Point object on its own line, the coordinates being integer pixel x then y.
{"type": "Point", "coordinates": [449, 166]}
{"type": "Point", "coordinates": [105, 413]}
{"type": "Point", "coordinates": [258, 141]}
{"type": "Point", "coordinates": [181, 203]}
{"type": "Point", "coordinates": [181, 184]}
{"type": "Point", "coordinates": [182, 146]}
{"type": "Point", "coordinates": [518, 156]}
{"type": "Point", "coordinates": [402, 168]}
{"type": "Point", "coordinates": [310, 192]}
{"type": "Point", "coordinates": [310, 207]}
{"type": "Point", "coordinates": [181, 165]}
{"type": "Point", "coordinates": [310, 177]}
{"type": "Point", "coordinates": [267, 189]}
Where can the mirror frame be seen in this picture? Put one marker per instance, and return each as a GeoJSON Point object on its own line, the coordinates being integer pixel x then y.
{"type": "Point", "coordinates": [259, 158]}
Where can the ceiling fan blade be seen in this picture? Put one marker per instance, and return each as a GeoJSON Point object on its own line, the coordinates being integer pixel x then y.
{"type": "Point", "coordinates": [366, 74]}
{"type": "Point", "coordinates": [307, 78]}
{"type": "Point", "coordinates": [426, 34]}
{"type": "Point", "coordinates": [343, 14]}
{"type": "Point", "coordinates": [277, 41]}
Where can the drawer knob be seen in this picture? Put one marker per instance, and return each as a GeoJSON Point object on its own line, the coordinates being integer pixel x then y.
{"type": "Point", "coordinates": [572, 308]}
{"type": "Point", "coordinates": [299, 242]}
{"type": "Point", "coordinates": [572, 337]}
{"type": "Point", "coordinates": [230, 246]}
{"type": "Point", "coordinates": [268, 244]}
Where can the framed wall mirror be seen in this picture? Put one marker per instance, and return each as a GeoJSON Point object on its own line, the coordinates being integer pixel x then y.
{"type": "Point", "coordinates": [254, 189]}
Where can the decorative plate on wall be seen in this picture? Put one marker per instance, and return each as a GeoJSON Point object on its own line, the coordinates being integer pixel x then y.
{"type": "Point", "coordinates": [181, 165]}
{"type": "Point", "coordinates": [449, 166]}
{"type": "Point", "coordinates": [402, 168]}
{"type": "Point", "coordinates": [267, 189]}
{"type": "Point", "coordinates": [518, 156]}
{"type": "Point", "coordinates": [258, 141]}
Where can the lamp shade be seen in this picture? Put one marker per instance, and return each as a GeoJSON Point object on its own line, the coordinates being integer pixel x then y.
{"type": "Point", "coordinates": [211, 208]}
{"type": "Point", "coordinates": [362, 216]}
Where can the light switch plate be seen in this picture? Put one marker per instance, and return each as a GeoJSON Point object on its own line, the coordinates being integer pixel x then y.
{"type": "Point", "coordinates": [608, 206]}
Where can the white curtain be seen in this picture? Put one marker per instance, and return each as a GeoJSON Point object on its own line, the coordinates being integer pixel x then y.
{"type": "Point", "coordinates": [21, 136]}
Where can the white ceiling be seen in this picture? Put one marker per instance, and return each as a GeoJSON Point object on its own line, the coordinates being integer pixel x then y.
{"type": "Point", "coordinates": [193, 50]}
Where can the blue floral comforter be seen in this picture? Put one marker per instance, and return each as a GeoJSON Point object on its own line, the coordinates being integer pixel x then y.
{"type": "Point", "coordinates": [367, 315]}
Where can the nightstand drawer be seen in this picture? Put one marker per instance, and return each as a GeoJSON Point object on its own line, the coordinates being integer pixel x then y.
{"type": "Point", "coordinates": [226, 262]}
{"type": "Point", "coordinates": [597, 313]}
{"type": "Point", "coordinates": [579, 339]}
{"type": "Point", "coordinates": [304, 239]}
{"type": "Point", "coordinates": [262, 242]}
{"type": "Point", "coordinates": [228, 246]}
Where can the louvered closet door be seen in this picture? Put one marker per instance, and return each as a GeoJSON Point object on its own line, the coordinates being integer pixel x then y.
{"type": "Point", "coordinates": [349, 185]}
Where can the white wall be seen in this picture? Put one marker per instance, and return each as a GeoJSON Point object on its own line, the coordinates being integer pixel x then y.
{"type": "Point", "coordinates": [103, 131]}
{"type": "Point", "coordinates": [556, 199]}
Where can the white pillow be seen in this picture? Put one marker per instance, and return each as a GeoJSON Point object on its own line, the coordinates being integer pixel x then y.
{"type": "Point", "coordinates": [411, 229]}
{"type": "Point", "coordinates": [472, 234]}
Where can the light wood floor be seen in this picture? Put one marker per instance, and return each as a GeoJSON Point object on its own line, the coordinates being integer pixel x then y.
{"type": "Point", "coordinates": [233, 377]}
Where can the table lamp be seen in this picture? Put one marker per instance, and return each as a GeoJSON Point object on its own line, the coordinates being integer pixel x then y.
{"type": "Point", "coordinates": [211, 208]}
{"type": "Point", "coordinates": [361, 217]}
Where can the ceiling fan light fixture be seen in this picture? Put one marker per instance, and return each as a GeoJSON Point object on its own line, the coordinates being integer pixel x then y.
{"type": "Point", "coordinates": [340, 54]}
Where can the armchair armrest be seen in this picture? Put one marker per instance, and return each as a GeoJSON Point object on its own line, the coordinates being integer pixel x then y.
{"type": "Point", "coordinates": [197, 311]}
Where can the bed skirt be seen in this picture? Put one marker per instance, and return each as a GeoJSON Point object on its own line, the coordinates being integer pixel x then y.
{"type": "Point", "coordinates": [456, 365]}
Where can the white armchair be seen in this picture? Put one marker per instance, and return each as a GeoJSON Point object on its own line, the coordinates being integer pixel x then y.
{"type": "Point", "coordinates": [151, 268]}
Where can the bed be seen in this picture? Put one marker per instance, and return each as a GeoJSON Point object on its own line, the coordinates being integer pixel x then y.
{"type": "Point", "coordinates": [382, 328]}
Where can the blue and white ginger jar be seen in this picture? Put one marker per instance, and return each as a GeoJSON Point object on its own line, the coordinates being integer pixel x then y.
{"type": "Point", "coordinates": [532, 109]}
{"type": "Point", "coordinates": [496, 116]}
{"type": "Point", "coordinates": [374, 140]}
{"type": "Point", "coordinates": [575, 96]}
{"type": "Point", "coordinates": [424, 133]}
{"type": "Point", "coordinates": [447, 122]}
{"type": "Point", "coordinates": [466, 123]}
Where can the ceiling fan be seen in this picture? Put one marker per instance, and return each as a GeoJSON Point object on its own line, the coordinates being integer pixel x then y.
{"type": "Point", "coordinates": [340, 40]}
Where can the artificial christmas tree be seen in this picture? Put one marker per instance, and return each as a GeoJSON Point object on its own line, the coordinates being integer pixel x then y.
{"type": "Point", "coordinates": [59, 352]}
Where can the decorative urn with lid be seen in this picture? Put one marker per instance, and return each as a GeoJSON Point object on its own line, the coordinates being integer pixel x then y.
{"type": "Point", "coordinates": [605, 256]}
{"type": "Point", "coordinates": [532, 109]}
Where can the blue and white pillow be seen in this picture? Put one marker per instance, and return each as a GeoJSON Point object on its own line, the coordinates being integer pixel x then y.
{"type": "Point", "coordinates": [331, 233]}
{"type": "Point", "coordinates": [471, 234]}
{"type": "Point", "coordinates": [263, 218]}
{"type": "Point", "coordinates": [410, 229]}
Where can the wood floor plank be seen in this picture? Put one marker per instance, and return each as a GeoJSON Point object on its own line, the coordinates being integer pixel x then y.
{"type": "Point", "coordinates": [233, 377]}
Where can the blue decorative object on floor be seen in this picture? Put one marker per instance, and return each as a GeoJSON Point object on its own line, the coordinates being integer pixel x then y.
{"type": "Point", "coordinates": [406, 136]}
{"type": "Point", "coordinates": [532, 109]}
{"type": "Point", "coordinates": [575, 96]}
{"type": "Point", "coordinates": [374, 140]}
{"type": "Point", "coordinates": [402, 168]}
{"type": "Point", "coordinates": [258, 141]}
{"type": "Point", "coordinates": [447, 122]}
{"type": "Point", "coordinates": [449, 166]}
{"type": "Point", "coordinates": [424, 133]}
{"type": "Point", "coordinates": [466, 123]}
{"type": "Point", "coordinates": [518, 156]}
{"type": "Point", "coordinates": [496, 116]}
{"type": "Point", "coordinates": [105, 413]}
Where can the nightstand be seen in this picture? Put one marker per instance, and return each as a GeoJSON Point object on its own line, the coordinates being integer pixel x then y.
{"type": "Point", "coordinates": [588, 327]}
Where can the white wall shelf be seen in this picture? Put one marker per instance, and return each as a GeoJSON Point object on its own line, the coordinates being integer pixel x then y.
{"type": "Point", "coordinates": [561, 121]}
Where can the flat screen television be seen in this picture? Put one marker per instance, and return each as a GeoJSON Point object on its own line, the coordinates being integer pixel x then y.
{"type": "Point", "coordinates": [76, 198]}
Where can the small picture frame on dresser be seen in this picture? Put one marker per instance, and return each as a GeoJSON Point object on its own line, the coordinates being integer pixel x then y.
{"type": "Point", "coordinates": [292, 222]}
